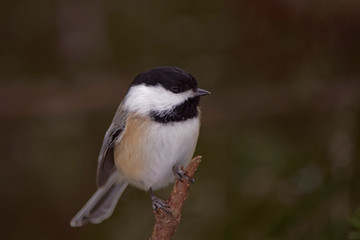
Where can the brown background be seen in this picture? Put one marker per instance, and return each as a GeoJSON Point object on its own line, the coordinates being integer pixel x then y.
{"type": "Point", "coordinates": [280, 133]}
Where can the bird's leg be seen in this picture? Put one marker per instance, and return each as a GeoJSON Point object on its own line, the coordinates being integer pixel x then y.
{"type": "Point", "coordinates": [181, 174]}
{"type": "Point", "coordinates": [158, 203]}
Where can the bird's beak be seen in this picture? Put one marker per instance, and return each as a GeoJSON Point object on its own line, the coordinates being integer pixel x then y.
{"type": "Point", "coordinates": [201, 92]}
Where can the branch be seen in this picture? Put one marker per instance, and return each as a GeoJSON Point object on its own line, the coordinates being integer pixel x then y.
{"type": "Point", "coordinates": [165, 223]}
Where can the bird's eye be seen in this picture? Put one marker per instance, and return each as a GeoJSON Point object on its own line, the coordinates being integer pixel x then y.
{"type": "Point", "coordinates": [175, 89]}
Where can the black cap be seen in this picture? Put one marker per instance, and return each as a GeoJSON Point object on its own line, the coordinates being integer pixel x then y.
{"type": "Point", "coordinates": [171, 78]}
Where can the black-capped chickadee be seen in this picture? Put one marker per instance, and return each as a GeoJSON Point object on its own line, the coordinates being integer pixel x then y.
{"type": "Point", "coordinates": [153, 134]}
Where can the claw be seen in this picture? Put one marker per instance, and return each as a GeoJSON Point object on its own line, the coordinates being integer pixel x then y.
{"type": "Point", "coordinates": [158, 203]}
{"type": "Point", "coordinates": [181, 174]}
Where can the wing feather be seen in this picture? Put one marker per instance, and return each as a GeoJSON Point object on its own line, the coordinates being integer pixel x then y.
{"type": "Point", "coordinates": [106, 165]}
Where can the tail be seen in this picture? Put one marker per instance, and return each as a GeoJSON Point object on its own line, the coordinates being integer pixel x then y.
{"type": "Point", "coordinates": [102, 204]}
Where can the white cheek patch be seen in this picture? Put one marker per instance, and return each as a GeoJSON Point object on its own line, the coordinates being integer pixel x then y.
{"type": "Point", "coordinates": [143, 99]}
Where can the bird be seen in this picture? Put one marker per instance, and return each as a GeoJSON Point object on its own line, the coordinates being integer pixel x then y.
{"type": "Point", "coordinates": [151, 138]}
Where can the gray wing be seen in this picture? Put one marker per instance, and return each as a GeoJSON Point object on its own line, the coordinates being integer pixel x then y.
{"type": "Point", "coordinates": [106, 165]}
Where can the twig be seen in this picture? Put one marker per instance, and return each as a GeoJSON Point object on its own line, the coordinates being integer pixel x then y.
{"type": "Point", "coordinates": [165, 223]}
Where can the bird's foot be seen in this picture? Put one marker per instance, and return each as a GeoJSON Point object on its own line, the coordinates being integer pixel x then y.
{"type": "Point", "coordinates": [181, 174]}
{"type": "Point", "coordinates": [158, 203]}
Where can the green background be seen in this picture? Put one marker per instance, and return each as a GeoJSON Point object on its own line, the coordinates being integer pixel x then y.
{"type": "Point", "coordinates": [280, 132]}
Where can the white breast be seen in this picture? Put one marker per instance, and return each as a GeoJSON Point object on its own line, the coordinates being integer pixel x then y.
{"type": "Point", "coordinates": [168, 145]}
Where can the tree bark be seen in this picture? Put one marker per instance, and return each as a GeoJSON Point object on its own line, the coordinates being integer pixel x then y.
{"type": "Point", "coordinates": [167, 223]}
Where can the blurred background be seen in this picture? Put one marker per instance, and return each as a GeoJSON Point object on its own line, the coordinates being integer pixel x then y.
{"type": "Point", "coordinates": [280, 132]}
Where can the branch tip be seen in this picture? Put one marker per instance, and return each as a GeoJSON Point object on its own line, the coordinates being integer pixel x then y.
{"type": "Point", "coordinates": [165, 223]}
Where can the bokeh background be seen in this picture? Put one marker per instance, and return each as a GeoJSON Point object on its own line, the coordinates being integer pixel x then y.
{"type": "Point", "coordinates": [280, 133]}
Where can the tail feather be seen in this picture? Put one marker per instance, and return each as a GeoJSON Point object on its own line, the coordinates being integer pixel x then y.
{"type": "Point", "coordinates": [102, 203]}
